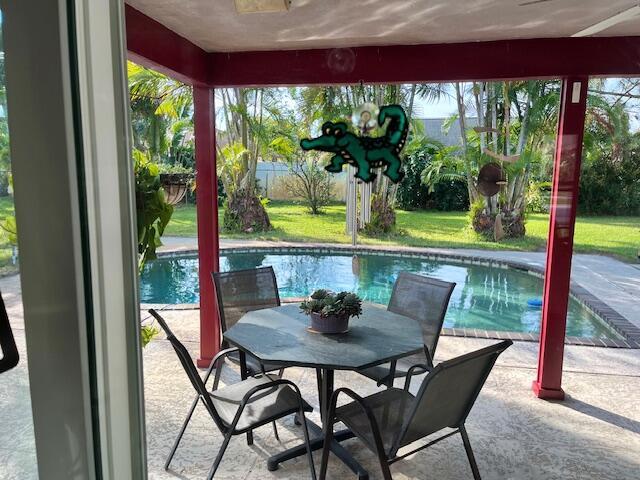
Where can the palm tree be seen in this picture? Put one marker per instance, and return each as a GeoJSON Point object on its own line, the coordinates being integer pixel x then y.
{"type": "Point", "coordinates": [161, 113]}
{"type": "Point", "coordinates": [244, 138]}
{"type": "Point", "coordinates": [515, 127]}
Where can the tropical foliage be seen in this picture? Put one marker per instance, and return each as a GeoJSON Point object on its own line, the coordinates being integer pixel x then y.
{"type": "Point", "coordinates": [514, 126]}
{"type": "Point", "coordinates": [609, 182]}
{"type": "Point", "coordinates": [162, 128]}
{"type": "Point", "coordinates": [152, 216]}
{"type": "Point", "coordinates": [246, 117]}
{"type": "Point", "coordinates": [336, 103]}
{"type": "Point", "coordinates": [161, 117]}
{"type": "Point", "coordinates": [152, 210]}
{"type": "Point", "coordinates": [517, 121]}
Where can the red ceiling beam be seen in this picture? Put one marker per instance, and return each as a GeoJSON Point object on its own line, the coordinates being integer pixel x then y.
{"type": "Point", "coordinates": [151, 44]}
{"type": "Point", "coordinates": [508, 59]}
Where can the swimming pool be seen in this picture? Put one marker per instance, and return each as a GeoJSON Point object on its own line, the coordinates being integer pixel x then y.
{"type": "Point", "coordinates": [487, 298]}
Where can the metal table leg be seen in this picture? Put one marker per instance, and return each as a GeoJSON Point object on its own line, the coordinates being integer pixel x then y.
{"type": "Point", "coordinates": [325, 390]}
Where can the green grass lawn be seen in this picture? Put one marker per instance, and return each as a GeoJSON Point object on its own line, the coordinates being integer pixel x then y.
{"type": "Point", "coordinates": [617, 236]}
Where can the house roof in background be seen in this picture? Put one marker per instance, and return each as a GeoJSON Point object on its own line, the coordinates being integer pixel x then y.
{"type": "Point", "coordinates": [433, 129]}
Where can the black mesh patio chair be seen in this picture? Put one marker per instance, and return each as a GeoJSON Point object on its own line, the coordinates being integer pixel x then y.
{"type": "Point", "coordinates": [241, 407]}
{"type": "Point", "coordinates": [393, 418]}
{"type": "Point", "coordinates": [425, 300]}
{"type": "Point", "coordinates": [242, 291]}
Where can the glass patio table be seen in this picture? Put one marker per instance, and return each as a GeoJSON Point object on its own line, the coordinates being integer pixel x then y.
{"type": "Point", "coordinates": [280, 335]}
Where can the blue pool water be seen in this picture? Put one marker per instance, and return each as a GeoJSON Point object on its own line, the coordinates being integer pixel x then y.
{"type": "Point", "coordinates": [485, 297]}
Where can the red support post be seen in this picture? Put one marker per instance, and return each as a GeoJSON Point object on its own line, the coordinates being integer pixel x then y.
{"type": "Point", "coordinates": [564, 204]}
{"type": "Point", "coordinates": [207, 219]}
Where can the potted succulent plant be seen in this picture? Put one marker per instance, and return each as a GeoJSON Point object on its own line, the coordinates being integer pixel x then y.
{"type": "Point", "coordinates": [330, 312]}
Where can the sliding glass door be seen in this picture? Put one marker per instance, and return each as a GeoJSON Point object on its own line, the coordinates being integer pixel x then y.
{"type": "Point", "coordinates": [72, 407]}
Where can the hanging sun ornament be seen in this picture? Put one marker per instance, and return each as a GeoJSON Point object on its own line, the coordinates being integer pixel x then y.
{"type": "Point", "coordinates": [363, 152]}
{"type": "Point", "coordinates": [365, 117]}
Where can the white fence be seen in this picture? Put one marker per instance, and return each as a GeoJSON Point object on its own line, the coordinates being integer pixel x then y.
{"type": "Point", "coordinates": [271, 174]}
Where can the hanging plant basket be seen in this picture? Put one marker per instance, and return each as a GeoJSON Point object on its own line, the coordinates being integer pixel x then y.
{"type": "Point", "coordinates": [175, 186]}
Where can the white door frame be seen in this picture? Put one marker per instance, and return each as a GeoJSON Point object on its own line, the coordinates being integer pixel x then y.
{"type": "Point", "coordinates": [69, 128]}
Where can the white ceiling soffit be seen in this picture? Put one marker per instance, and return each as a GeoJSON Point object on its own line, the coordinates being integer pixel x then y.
{"type": "Point", "coordinates": [629, 15]}
{"type": "Point", "coordinates": [215, 25]}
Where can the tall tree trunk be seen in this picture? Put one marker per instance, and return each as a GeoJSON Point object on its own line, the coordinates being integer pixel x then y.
{"type": "Point", "coordinates": [227, 120]}
{"type": "Point", "coordinates": [478, 94]}
{"type": "Point", "coordinates": [507, 119]}
{"type": "Point", "coordinates": [258, 111]}
{"type": "Point", "coordinates": [494, 115]}
{"type": "Point", "coordinates": [412, 97]}
{"type": "Point", "coordinates": [515, 187]}
{"type": "Point", "coordinates": [471, 188]}
{"type": "Point", "coordinates": [244, 131]}
{"type": "Point", "coordinates": [394, 189]}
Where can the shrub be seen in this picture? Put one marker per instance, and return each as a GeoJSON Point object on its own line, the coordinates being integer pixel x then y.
{"type": "Point", "coordinates": [449, 195]}
{"type": "Point", "coordinates": [513, 222]}
{"type": "Point", "coordinates": [309, 181]}
{"type": "Point", "coordinates": [152, 210]}
{"type": "Point", "coordinates": [222, 195]}
{"type": "Point", "coordinates": [413, 194]}
{"type": "Point", "coordinates": [609, 187]}
{"type": "Point", "coordinates": [538, 197]}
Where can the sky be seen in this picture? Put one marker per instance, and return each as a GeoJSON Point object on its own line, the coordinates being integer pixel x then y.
{"type": "Point", "coordinates": [443, 108]}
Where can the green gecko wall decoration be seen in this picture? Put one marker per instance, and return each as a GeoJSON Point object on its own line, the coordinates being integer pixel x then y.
{"type": "Point", "coordinates": [362, 152]}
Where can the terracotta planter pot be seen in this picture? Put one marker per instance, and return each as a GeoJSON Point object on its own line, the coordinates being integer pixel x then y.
{"type": "Point", "coordinates": [330, 324]}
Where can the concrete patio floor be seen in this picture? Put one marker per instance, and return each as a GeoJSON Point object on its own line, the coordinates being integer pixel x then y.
{"type": "Point", "coordinates": [595, 433]}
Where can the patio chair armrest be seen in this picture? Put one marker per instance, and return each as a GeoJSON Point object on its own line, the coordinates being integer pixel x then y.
{"type": "Point", "coordinates": [349, 393]}
{"type": "Point", "coordinates": [355, 397]}
{"type": "Point", "coordinates": [423, 368]}
{"type": "Point", "coordinates": [373, 423]}
{"type": "Point", "coordinates": [219, 356]}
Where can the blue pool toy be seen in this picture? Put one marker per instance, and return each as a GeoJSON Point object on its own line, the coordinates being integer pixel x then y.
{"type": "Point", "coordinates": [535, 302]}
